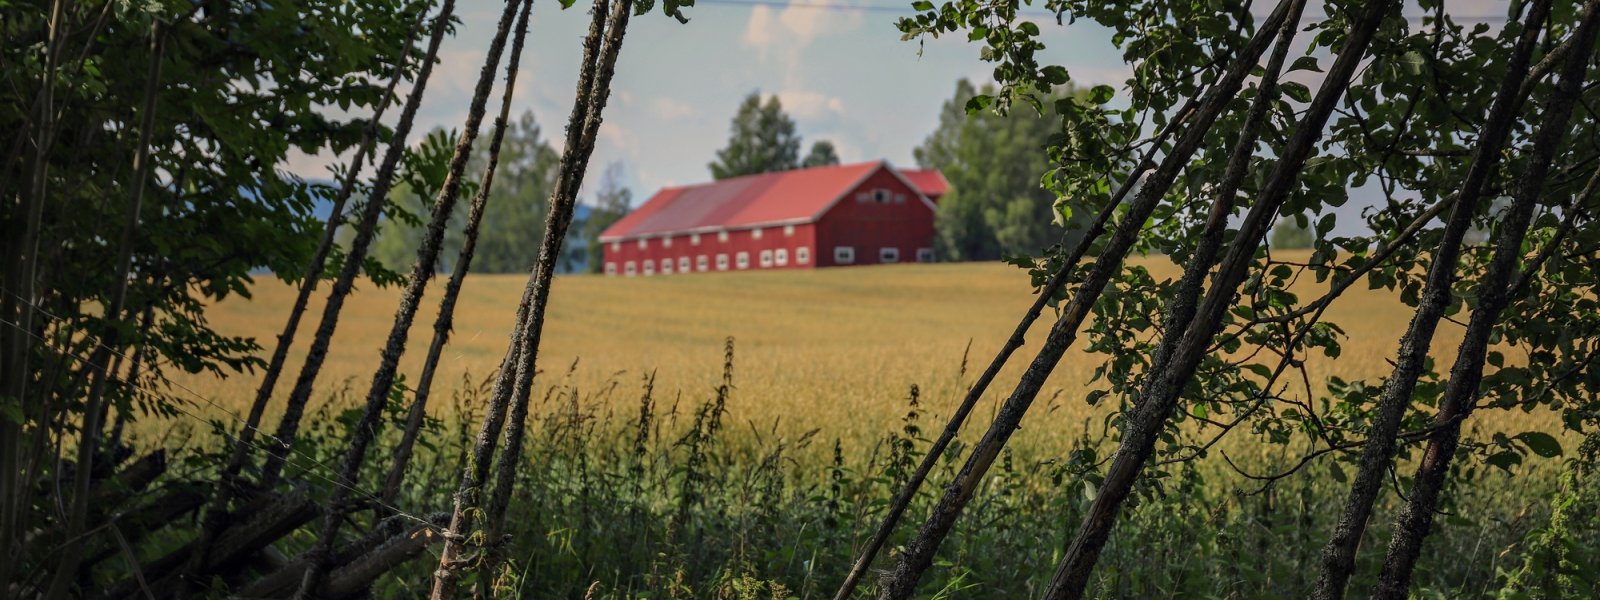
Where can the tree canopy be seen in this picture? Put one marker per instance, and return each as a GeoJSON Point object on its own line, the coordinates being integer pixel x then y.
{"type": "Point", "coordinates": [997, 205]}
{"type": "Point", "coordinates": [762, 139]}
{"type": "Point", "coordinates": [515, 213]}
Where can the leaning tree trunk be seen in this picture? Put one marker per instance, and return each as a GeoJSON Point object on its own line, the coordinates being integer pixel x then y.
{"type": "Point", "coordinates": [1494, 292]}
{"type": "Point", "coordinates": [216, 514]}
{"type": "Point", "coordinates": [366, 229]}
{"type": "Point", "coordinates": [901, 582]}
{"type": "Point", "coordinates": [556, 224]}
{"type": "Point", "coordinates": [89, 438]}
{"type": "Point", "coordinates": [1167, 378]}
{"type": "Point", "coordinates": [593, 90]}
{"type": "Point", "coordinates": [445, 321]}
{"type": "Point", "coordinates": [313, 273]}
{"type": "Point", "coordinates": [1046, 294]}
{"type": "Point", "coordinates": [1377, 452]}
{"type": "Point", "coordinates": [422, 270]}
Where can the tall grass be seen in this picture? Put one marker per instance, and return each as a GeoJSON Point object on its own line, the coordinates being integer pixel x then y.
{"type": "Point", "coordinates": [632, 491]}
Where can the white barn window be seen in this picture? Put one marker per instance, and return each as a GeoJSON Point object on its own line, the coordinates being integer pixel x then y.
{"type": "Point", "coordinates": [722, 236]}
{"type": "Point", "coordinates": [766, 259]}
{"type": "Point", "coordinates": [880, 195]}
{"type": "Point", "coordinates": [649, 267]}
{"type": "Point", "coordinates": [666, 241]}
{"type": "Point", "coordinates": [802, 255]}
{"type": "Point", "coordinates": [924, 255]}
{"type": "Point", "coordinates": [700, 263]}
{"type": "Point", "coordinates": [694, 239]}
{"type": "Point", "coordinates": [781, 257]}
{"type": "Point", "coordinates": [788, 230]}
{"type": "Point", "coordinates": [616, 246]}
{"type": "Point", "coordinates": [683, 264]}
{"type": "Point", "coordinates": [666, 266]}
{"type": "Point", "coordinates": [743, 260]}
{"type": "Point", "coordinates": [755, 234]}
{"type": "Point", "coordinates": [844, 255]}
{"type": "Point", "coordinates": [722, 262]}
{"type": "Point", "coordinates": [630, 269]}
{"type": "Point", "coordinates": [644, 243]}
{"type": "Point", "coordinates": [888, 255]}
{"type": "Point", "coordinates": [611, 268]}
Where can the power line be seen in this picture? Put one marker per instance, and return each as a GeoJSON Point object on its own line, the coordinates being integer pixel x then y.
{"type": "Point", "coordinates": [905, 9]}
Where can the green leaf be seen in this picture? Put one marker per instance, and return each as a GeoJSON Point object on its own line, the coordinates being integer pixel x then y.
{"type": "Point", "coordinates": [1054, 75]}
{"type": "Point", "coordinates": [1305, 63]}
{"type": "Point", "coordinates": [922, 5]}
{"type": "Point", "coordinates": [1542, 444]}
{"type": "Point", "coordinates": [1298, 91]}
{"type": "Point", "coordinates": [1094, 397]}
{"type": "Point", "coordinates": [1505, 460]}
{"type": "Point", "coordinates": [1101, 94]}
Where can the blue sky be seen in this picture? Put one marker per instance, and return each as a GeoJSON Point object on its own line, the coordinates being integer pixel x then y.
{"type": "Point", "coordinates": [842, 73]}
{"type": "Point", "coordinates": [839, 67]}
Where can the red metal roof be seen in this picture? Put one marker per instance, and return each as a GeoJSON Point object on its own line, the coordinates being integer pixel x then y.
{"type": "Point", "coordinates": [796, 196]}
{"type": "Point", "coordinates": [928, 181]}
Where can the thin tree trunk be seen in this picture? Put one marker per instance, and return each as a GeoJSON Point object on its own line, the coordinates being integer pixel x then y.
{"type": "Point", "coordinates": [582, 124]}
{"type": "Point", "coordinates": [901, 582]}
{"type": "Point", "coordinates": [1167, 378]}
{"type": "Point", "coordinates": [21, 277]}
{"type": "Point", "coordinates": [443, 324]}
{"type": "Point", "coordinates": [216, 514]}
{"type": "Point", "coordinates": [1377, 452]}
{"type": "Point", "coordinates": [557, 222]}
{"type": "Point", "coordinates": [1494, 293]}
{"type": "Point", "coordinates": [422, 271]}
{"type": "Point", "coordinates": [1018, 337]}
{"type": "Point", "coordinates": [89, 437]}
{"type": "Point", "coordinates": [366, 229]}
{"type": "Point", "coordinates": [313, 274]}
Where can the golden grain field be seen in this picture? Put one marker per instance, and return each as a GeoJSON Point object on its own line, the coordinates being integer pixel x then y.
{"type": "Point", "coordinates": [833, 348]}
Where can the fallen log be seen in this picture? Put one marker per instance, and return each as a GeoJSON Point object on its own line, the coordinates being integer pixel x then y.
{"type": "Point", "coordinates": [258, 524]}
{"type": "Point", "coordinates": [356, 564]}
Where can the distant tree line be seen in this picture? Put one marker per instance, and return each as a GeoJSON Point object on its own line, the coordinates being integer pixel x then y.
{"type": "Point", "coordinates": [515, 214]}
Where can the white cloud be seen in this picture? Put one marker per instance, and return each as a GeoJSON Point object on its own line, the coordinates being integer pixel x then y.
{"type": "Point", "coordinates": [759, 31]}
{"type": "Point", "coordinates": [807, 104]}
{"type": "Point", "coordinates": [797, 25]}
{"type": "Point", "coordinates": [669, 109]}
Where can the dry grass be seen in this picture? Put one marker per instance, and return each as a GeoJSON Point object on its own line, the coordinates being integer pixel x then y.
{"type": "Point", "coordinates": [834, 348]}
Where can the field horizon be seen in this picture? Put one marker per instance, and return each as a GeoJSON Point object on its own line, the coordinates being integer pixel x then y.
{"type": "Point", "coordinates": [835, 349]}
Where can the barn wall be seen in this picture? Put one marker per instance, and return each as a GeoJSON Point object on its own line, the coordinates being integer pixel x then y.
{"type": "Point", "coordinates": [747, 241]}
{"type": "Point", "coordinates": [860, 221]}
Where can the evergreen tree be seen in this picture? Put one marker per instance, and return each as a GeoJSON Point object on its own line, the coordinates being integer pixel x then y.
{"type": "Point", "coordinates": [821, 155]}
{"type": "Point", "coordinates": [762, 140]}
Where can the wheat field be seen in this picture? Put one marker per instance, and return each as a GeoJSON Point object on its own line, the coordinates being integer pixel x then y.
{"type": "Point", "coordinates": [836, 349]}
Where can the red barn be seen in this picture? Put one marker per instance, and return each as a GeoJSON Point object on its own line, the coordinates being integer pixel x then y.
{"type": "Point", "coordinates": [860, 214]}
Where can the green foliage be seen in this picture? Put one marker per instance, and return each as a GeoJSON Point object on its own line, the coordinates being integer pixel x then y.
{"type": "Point", "coordinates": [821, 155]}
{"type": "Point", "coordinates": [513, 220]}
{"type": "Point", "coordinates": [686, 498]}
{"type": "Point", "coordinates": [996, 205]}
{"type": "Point", "coordinates": [762, 139]}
